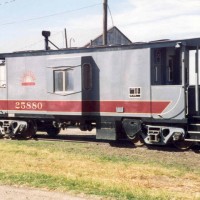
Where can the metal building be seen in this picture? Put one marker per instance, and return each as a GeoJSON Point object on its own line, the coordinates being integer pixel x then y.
{"type": "Point", "coordinates": [114, 37]}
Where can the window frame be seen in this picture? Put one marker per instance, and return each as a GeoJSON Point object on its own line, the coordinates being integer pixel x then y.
{"type": "Point", "coordinates": [70, 77]}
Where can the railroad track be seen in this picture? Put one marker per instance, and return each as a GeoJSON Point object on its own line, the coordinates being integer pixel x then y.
{"type": "Point", "coordinates": [78, 137]}
{"type": "Point", "coordinates": [69, 138]}
{"type": "Point", "coordinates": [86, 139]}
{"type": "Point", "coordinates": [116, 144]}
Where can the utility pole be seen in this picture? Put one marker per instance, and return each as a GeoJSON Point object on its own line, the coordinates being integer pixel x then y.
{"type": "Point", "coordinates": [105, 20]}
{"type": "Point", "coordinates": [66, 38]}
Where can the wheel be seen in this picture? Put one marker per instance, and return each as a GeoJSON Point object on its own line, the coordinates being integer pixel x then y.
{"type": "Point", "coordinates": [136, 140]}
{"type": "Point", "coordinates": [183, 145]}
{"type": "Point", "coordinates": [30, 131]}
{"type": "Point", "coordinates": [53, 131]}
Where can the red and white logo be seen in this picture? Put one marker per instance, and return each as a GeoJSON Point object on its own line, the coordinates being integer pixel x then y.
{"type": "Point", "coordinates": [28, 79]}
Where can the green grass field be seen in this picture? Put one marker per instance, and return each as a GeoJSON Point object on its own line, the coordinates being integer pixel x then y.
{"type": "Point", "coordinates": [98, 169]}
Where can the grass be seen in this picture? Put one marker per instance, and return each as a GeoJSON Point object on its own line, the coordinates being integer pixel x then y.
{"type": "Point", "coordinates": [76, 185]}
{"type": "Point", "coordinates": [95, 170]}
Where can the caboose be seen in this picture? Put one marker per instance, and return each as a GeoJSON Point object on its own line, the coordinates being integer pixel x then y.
{"type": "Point", "coordinates": [139, 91]}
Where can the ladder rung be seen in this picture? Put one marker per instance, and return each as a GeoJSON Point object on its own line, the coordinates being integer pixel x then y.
{"type": "Point", "coordinates": [198, 132]}
{"type": "Point", "coordinates": [194, 124]}
{"type": "Point", "coordinates": [192, 140]}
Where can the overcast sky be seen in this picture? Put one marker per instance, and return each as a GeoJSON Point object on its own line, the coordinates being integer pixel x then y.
{"type": "Point", "coordinates": [21, 21]}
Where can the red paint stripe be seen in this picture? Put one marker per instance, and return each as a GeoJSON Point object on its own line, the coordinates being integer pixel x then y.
{"type": "Point", "coordinates": [3, 105]}
{"type": "Point", "coordinates": [128, 106]}
{"type": "Point", "coordinates": [64, 106]}
{"type": "Point", "coordinates": [28, 84]}
{"type": "Point", "coordinates": [86, 106]}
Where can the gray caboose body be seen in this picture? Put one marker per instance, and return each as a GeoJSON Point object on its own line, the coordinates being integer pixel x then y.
{"type": "Point", "coordinates": [138, 90]}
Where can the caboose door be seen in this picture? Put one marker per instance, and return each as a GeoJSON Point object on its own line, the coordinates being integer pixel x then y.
{"type": "Point", "coordinates": [167, 93]}
{"type": "Point", "coordinates": [193, 90]}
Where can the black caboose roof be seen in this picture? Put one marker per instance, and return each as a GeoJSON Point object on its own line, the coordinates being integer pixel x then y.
{"type": "Point", "coordinates": [192, 44]}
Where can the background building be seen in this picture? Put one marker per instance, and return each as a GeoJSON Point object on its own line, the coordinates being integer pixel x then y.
{"type": "Point", "coordinates": [114, 37]}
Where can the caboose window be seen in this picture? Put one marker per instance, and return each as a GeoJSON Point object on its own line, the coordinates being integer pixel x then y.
{"type": "Point", "coordinates": [166, 66]}
{"type": "Point", "coordinates": [87, 76]}
{"type": "Point", "coordinates": [170, 70]}
{"type": "Point", "coordinates": [2, 75]}
{"type": "Point", "coordinates": [63, 80]}
{"type": "Point", "coordinates": [58, 76]}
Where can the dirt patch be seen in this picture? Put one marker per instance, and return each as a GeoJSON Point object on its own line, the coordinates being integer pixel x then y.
{"type": "Point", "coordinates": [19, 193]}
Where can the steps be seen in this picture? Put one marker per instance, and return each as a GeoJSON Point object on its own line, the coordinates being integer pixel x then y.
{"type": "Point", "coordinates": [193, 132]}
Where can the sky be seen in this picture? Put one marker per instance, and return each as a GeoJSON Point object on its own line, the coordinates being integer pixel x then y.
{"type": "Point", "coordinates": [22, 21]}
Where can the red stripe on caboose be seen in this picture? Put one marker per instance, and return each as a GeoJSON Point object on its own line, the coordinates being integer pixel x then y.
{"type": "Point", "coordinates": [135, 107]}
{"type": "Point", "coordinates": [28, 83]}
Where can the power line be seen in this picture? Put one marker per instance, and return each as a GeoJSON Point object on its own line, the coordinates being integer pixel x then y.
{"type": "Point", "coordinates": [7, 2]}
{"type": "Point", "coordinates": [111, 15]}
{"type": "Point", "coordinates": [51, 15]}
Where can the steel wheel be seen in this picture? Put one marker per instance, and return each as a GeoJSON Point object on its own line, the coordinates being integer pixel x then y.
{"type": "Point", "coordinates": [183, 145]}
{"type": "Point", "coordinates": [136, 140]}
{"type": "Point", "coordinates": [30, 131]}
{"type": "Point", "coordinates": [53, 131]}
